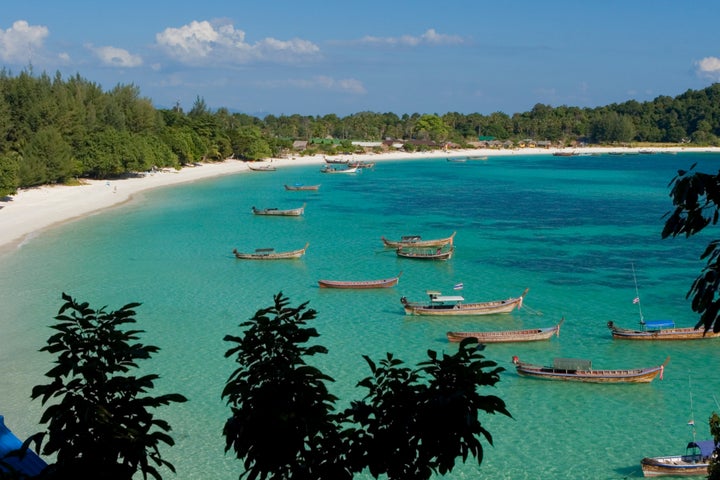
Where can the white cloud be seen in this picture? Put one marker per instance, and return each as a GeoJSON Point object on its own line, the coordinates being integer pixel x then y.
{"type": "Point", "coordinates": [116, 57]}
{"type": "Point", "coordinates": [430, 37]}
{"type": "Point", "coordinates": [709, 67]}
{"type": "Point", "coordinates": [321, 82]}
{"type": "Point", "coordinates": [18, 42]}
{"type": "Point", "coordinates": [205, 43]}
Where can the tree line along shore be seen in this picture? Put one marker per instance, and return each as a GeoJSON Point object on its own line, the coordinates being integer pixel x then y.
{"type": "Point", "coordinates": [56, 130]}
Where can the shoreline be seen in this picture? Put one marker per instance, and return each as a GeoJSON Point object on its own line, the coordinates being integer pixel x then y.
{"type": "Point", "coordinates": [33, 210]}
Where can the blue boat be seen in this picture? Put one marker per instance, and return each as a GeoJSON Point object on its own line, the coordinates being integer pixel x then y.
{"type": "Point", "coordinates": [28, 463]}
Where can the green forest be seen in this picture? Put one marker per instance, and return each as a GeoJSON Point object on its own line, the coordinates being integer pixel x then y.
{"type": "Point", "coordinates": [57, 130]}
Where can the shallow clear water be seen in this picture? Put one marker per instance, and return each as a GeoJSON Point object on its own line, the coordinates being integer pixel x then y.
{"type": "Point", "coordinates": [570, 229]}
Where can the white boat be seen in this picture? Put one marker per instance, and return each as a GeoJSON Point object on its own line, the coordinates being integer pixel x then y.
{"type": "Point", "coordinates": [695, 462]}
{"type": "Point", "coordinates": [329, 169]}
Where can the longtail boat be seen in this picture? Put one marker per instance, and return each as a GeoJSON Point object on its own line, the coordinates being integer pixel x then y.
{"type": "Point", "coordinates": [270, 254]}
{"type": "Point", "coordinates": [417, 241]}
{"type": "Point", "coordinates": [262, 168]}
{"type": "Point", "coordinates": [660, 330]}
{"type": "Point", "coordinates": [300, 187]}
{"type": "Point", "coordinates": [293, 212]}
{"type": "Point", "coordinates": [361, 164]}
{"type": "Point", "coordinates": [453, 305]}
{"type": "Point", "coordinates": [424, 254]}
{"type": "Point", "coordinates": [361, 284]}
{"type": "Point", "coordinates": [695, 462]}
{"type": "Point", "coordinates": [336, 161]}
{"type": "Point", "coordinates": [580, 370]}
{"type": "Point", "coordinates": [508, 336]}
{"type": "Point", "coordinates": [329, 169]}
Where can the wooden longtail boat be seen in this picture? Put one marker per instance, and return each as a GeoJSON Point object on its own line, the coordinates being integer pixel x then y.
{"type": "Point", "coordinates": [417, 241]}
{"type": "Point", "coordinates": [361, 164]}
{"type": "Point", "coordinates": [270, 254]}
{"type": "Point", "coordinates": [439, 254]}
{"type": "Point", "coordinates": [453, 305]}
{"type": "Point", "coordinates": [508, 336]}
{"type": "Point", "coordinates": [329, 169]}
{"type": "Point", "coordinates": [361, 284]}
{"type": "Point", "coordinates": [336, 161]}
{"type": "Point", "coordinates": [695, 462]}
{"type": "Point", "coordinates": [293, 212]}
{"type": "Point", "coordinates": [660, 330]}
{"type": "Point", "coordinates": [300, 187]}
{"type": "Point", "coordinates": [580, 370]}
{"type": "Point", "coordinates": [262, 168]}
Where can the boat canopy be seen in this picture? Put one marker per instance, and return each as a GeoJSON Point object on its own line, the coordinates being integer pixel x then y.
{"type": "Point", "coordinates": [572, 364]}
{"type": "Point", "coordinates": [659, 324]}
{"type": "Point", "coordinates": [707, 447]}
{"type": "Point", "coordinates": [447, 298]}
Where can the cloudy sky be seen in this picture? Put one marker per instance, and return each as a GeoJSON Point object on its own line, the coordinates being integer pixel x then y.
{"type": "Point", "coordinates": [400, 56]}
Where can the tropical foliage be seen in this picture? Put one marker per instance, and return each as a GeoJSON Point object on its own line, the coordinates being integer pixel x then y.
{"type": "Point", "coordinates": [696, 197]}
{"type": "Point", "coordinates": [412, 422]}
{"type": "Point", "coordinates": [54, 129]}
{"type": "Point", "coordinates": [99, 417]}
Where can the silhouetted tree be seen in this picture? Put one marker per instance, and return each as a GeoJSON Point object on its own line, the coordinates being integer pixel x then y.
{"type": "Point", "coordinates": [99, 418]}
{"type": "Point", "coordinates": [413, 422]}
{"type": "Point", "coordinates": [696, 197]}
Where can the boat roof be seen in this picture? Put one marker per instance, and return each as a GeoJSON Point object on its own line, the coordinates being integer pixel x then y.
{"type": "Point", "coordinates": [447, 298]}
{"type": "Point", "coordinates": [707, 447]}
{"type": "Point", "coordinates": [658, 324]}
{"type": "Point", "coordinates": [572, 364]}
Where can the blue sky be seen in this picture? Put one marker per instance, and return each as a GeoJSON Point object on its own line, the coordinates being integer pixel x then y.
{"type": "Point", "coordinates": [405, 56]}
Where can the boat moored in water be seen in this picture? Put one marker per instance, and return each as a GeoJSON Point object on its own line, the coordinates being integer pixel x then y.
{"type": "Point", "coordinates": [695, 462]}
{"type": "Point", "coordinates": [270, 254]}
{"type": "Point", "coordinates": [300, 187]}
{"type": "Point", "coordinates": [580, 370]}
{"type": "Point", "coordinates": [508, 336]}
{"type": "Point", "coordinates": [660, 330]}
{"type": "Point", "coordinates": [454, 305]}
{"type": "Point", "coordinates": [292, 212]}
{"type": "Point", "coordinates": [416, 241]}
{"type": "Point", "coordinates": [438, 253]}
{"type": "Point", "coordinates": [361, 284]}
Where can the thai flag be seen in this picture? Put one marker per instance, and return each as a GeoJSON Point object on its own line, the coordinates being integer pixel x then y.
{"type": "Point", "coordinates": [458, 286]}
{"type": "Point", "coordinates": [636, 300]}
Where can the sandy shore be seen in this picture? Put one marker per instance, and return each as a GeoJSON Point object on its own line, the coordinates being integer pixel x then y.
{"type": "Point", "coordinates": [30, 211]}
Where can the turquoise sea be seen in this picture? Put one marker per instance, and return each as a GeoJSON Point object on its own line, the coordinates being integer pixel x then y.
{"type": "Point", "coordinates": [568, 228]}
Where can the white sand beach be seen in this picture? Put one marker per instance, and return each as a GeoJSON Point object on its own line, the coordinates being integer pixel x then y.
{"type": "Point", "coordinates": [33, 210]}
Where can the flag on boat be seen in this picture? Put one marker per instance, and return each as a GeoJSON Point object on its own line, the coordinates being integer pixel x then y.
{"type": "Point", "coordinates": [636, 300]}
{"type": "Point", "coordinates": [458, 286]}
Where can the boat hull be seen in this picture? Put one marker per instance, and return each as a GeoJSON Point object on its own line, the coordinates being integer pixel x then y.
{"type": "Point", "coordinates": [360, 284]}
{"type": "Point", "coordinates": [298, 188]}
{"type": "Point", "coordinates": [293, 212]}
{"type": "Point", "coordinates": [269, 255]}
{"type": "Point", "coordinates": [687, 333]}
{"type": "Point", "coordinates": [675, 465]}
{"type": "Point", "coordinates": [507, 336]}
{"type": "Point", "coordinates": [440, 242]}
{"type": "Point", "coordinates": [446, 255]}
{"type": "Point", "coordinates": [635, 375]}
{"type": "Point", "coordinates": [477, 308]}
{"type": "Point", "coordinates": [339, 170]}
